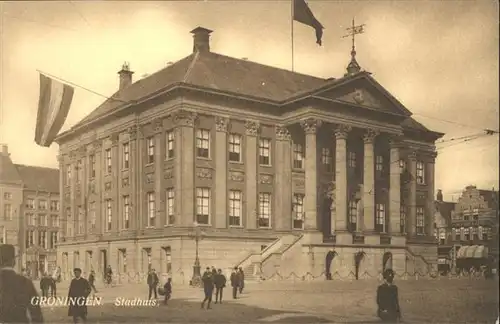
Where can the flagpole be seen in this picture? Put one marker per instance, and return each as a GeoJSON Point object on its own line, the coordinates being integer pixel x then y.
{"type": "Point", "coordinates": [291, 22]}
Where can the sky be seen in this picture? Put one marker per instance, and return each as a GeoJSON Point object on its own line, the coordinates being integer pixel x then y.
{"type": "Point", "coordinates": [439, 58]}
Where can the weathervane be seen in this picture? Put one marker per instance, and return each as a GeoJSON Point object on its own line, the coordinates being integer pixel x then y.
{"type": "Point", "coordinates": [352, 31]}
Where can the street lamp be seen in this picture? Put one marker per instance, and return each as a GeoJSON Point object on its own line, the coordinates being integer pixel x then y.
{"type": "Point", "coordinates": [197, 235]}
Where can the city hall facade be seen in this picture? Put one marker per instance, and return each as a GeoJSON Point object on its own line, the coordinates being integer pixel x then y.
{"type": "Point", "coordinates": [264, 168]}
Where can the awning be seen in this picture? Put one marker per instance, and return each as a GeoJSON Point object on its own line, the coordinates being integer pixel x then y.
{"type": "Point", "coordinates": [472, 252]}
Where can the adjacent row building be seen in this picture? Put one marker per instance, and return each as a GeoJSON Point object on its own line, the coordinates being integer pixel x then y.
{"type": "Point", "coordinates": [263, 167]}
{"type": "Point", "coordinates": [29, 202]}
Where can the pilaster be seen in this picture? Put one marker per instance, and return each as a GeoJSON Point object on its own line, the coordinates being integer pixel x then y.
{"type": "Point", "coordinates": [283, 180]}
{"type": "Point", "coordinates": [134, 174]}
{"type": "Point", "coordinates": [311, 127]}
{"type": "Point", "coordinates": [185, 149]}
{"type": "Point", "coordinates": [72, 191]}
{"type": "Point", "coordinates": [394, 188]}
{"type": "Point", "coordinates": [98, 185]}
{"type": "Point", "coordinates": [62, 200]}
{"type": "Point", "coordinates": [369, 182]}
{"type": "Point", "coordinates": [114, 177]}
{"type": "Point", "coordinates": [251, 167]}
{"type": "Point", "coordinates": [430, 178]}
{"type": "Point", "coordinates": [158, 163]}
{"type": "Point", "coordinates": [412, 201]}
{"type": "Point", "coordinates": [221, 125]}
{"type": "Point", "coordinates": [340, 213]}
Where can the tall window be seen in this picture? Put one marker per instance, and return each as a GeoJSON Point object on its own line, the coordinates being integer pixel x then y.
{"type": "Point", "coordinates": [264, 151]}
{"type": "Point", "coordinates": [108, 161]}
{"type": "Point", "coordinates": [126, 155]}
{"type": "Point", "coordinates": [53, 240]}
{"type": "Point", "coordinates": [473, 233]}
{"type": "Point", "coordinates": [79, 169]}
{"type": "Point", "coordinates": [54, 205]}
{"type": "Point", "coordinates": [379, 163]}
{"type": "Point", "coordinates": [31, 219]}
{"type": "Point", "coordinates": [150, 145]}
{"type": "Point", "coordinates": [30, 238]}
{"type": "Point", "coordinates": [126, 212]}
{"type": "Point", "coordinates": [93, 218]}
{"type": "Point", "coordinates": [203, 143]}
{"type": "Point", "coordinates": [109, 214]}
{"type": "Point", "coordinates": [455, 234]}
{"type": "Point", "coordinates": [42, 204]}
{"type": "Point", "coordinates": [420, 221]}
{"type": "Point", "coordinates": [235, 209]}
{"type": "Point", "coordinates": [351, 159]}
{"type": "Point", "coordinates": [170, 145]}
{"type": "Point", "coordinates": [353, 214]}
{"type": "Point", "coordinates": [43, 219]}
{"type": "Point", "coordinates": [151, 209]}
{"type": "Point", "coordinates": [264, 210]}
{"type": "Point", "coordinates": [420, 172]}
{"type": "Point", "coordinates": [7, 196]}
{"type": "Point", "coordinates": [30, 203]}
{"type": "Point", "coordinates": [402, 219]}
{"type": "Point", "coordinates": [3, 235]}
{"type": "Point", "coordinates": [68, 175]}
{"type": "Point", "coordinates": [380, 218]}
{"type": "Point", "coordinates": [80, 221]}
{"type": "Point", "coordinates": [327, 159]}
{"type": "Point", "coordinates": [234, 148]}
{"type": "Point", "coordinates": [484, 234]}
{"type": "Point", "coordinates": [7, 209]}
{"type": "Point", "coordinates": [298, 211]}
{"type": "Point", "coordinates": [203, 206]}
{"type": "Point", "coordinates": [170, 206]}
{"type": "Point", "coordinates": [466, 234]}
{"type": "Point", "coordinates": [54, 220]}
{"type": "Point", "coordinates": [298, 156]}
{"type": "Point", "coordinates": [42, 239]}
{"type": "Point", "coordinates": [92, 165]}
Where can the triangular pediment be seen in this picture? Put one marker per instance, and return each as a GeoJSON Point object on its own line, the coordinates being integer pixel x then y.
{"type": "Point", "coordinates": [364, 91]}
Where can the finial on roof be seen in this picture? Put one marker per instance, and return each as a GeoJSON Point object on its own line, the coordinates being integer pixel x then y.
{"type": "Point", "coordinates": [353, 66]}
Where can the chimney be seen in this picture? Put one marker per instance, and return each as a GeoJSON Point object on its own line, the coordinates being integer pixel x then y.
{"type": "Point", "coordinates": [201, 37]}
{"type": "Point", "coordinates": [5, 149]}
{"type": "Point", "coordinates": [439, 196]}
{"type": "Point", "coordinates": [125, 76]}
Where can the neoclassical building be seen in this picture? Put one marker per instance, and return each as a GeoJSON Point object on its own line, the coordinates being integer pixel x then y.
{"type": "Point", "coordinates": [268, 168]}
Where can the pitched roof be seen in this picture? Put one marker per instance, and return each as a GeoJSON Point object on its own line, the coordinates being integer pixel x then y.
{"type": "Point", "coordinates": [39, 178]}
{"type": "Point", "coordinates": [218, 72]}
{"type": "Point", "coordinates": [491, 197]}
{"type": "Point", "coordinates": [445, 208]}
{"type": "Point", "coordinates": [8, 171]}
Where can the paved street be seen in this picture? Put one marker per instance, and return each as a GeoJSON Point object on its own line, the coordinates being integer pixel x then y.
{"type": "Point", "coordinates": [436, 301]}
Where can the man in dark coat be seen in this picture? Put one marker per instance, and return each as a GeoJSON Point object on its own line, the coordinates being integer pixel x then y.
{"type": "Point", "coordinates": [220, 283]}
{"type": "Point", "coordinates": [235, 281]}
{"type": "Point", "coordinates": [78, 290]}
{"type": "Point", "coordinates": [242, 279]}
{"type": "Point", "coordinates": [16, 292]}
{"type": "Point", "coordinates": [387, 299]}
{"type": "Point", "coordinates": [153, 281]}
{"type": "Point", "coordinates": [167, 290]}
{"type": "Point", "coordinates": [208, 287]}
{"type": "Point", "coordinates": [92, 281]}
{"type": "Point", "coordinates": [108, 275]}
{"type": "Point", "coordinates": [45, 284]}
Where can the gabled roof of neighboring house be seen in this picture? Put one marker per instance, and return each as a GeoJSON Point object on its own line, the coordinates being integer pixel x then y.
{"type": "Point", "coordinates": [445, 208]}
{"type": "Point", "coordinates": [8, 171]}
{"type": "Point", "coordinates": [37, 178]}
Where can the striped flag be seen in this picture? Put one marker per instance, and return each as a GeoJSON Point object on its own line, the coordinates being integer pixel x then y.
{"type": "Point", "coordinates": [53, 107]}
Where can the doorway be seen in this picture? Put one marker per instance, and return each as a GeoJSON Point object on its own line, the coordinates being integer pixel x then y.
{"type": "Point", "coordinates": [104, 261]}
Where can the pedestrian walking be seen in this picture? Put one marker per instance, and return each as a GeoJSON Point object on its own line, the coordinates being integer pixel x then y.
{"type": "Point", "coordinates": [388, 300]}
{"type": "Point", "coordinates": [153, 282]}
{"type": "Point", "coordinates": [92, 281]}
{"type": "Point", "coordinates": [235, 281]}
{"type": "Point", "coordinates": [220, 283]}
{"type": "Point", "coordinates": [16, 292]}
{"type": "Point", "coordinates": [78, 289]}
{"type": "Point", "coordinates": [208, 287]}
{"type": "Point", "coordinates": [242, 279]}
{"type": "Point", "coordinates": [45, 284]}
{"type": "Point", "coordinates": [167, 290]}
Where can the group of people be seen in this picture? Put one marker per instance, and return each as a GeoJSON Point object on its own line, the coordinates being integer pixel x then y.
{"type": "Point", "coordinates": [215, 279]}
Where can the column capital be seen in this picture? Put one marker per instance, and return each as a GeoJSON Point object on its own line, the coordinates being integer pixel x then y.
{"type": "Point", "coordinates": [82, 151]}
{"type": "Point", "coordinates": [429, 154]}
{"type": "Point", "coordinates": [114, 138]}
{"type": "Point", "coordinates": [370, 135]}
{"type": "Point", "coordinates": [396, 141]}
{"type": "Point", "coordinates": [342, 131]}
{"type": "Point", "coordinates": [97, 145]}
{"type": "Point", "coordinates": [282, 133]}
{"type": "Point", "coordinates": [157, 125]}
{"type": "Point", "coordinates": [221, 124]}
{"type": "Point", "coordinates": [252, 128]}
{"type": "Point", "coordinates": [73, 155]}
{"type": "Point", "coordinates": [133, 132]}
{"type": "Point", "coordinates": [185, 118]}
{"type": "Point", "coordinates": [60, 158]}
{"type": "Point", "coordinates": [311, 125]}
{"type": "Point", "coordinates": [413, 156]}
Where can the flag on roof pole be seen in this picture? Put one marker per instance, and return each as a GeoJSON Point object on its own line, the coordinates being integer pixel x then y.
{"type": "Point", "coordinates": [304, 15]}
{"type": "Point", "coordinates": [53, 107]}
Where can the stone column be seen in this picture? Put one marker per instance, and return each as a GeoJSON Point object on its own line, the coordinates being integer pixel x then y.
{"type": "Point", "coordinates": [159, 194]}
{"type": "Point", "coordinates": [115, 176]}
{"type": "Point", "coordinates": [283, 180]}
{"type": "Point", "coordinates": [412, 201]}
{"type": "Point", "coordinates": [311, 175]}
{"type": "Point", "coordinates": [85, 188]}
{"type": "Point", "coordinates": [62, 205]}
{"type": "Point", "coordinates": [251, 173]}
{"type": "Point", "coordinates": [368, 193]}
{"type": "Point", "coordinates": [133, 179]}
{"type": "Point", "coordinates": [221, 128]}
{"type": "Point", "coordinates": [429, 214]}
{"type": "Point", "coordinates": [72, 187]}
{"type": "Point", "coordinates": [340, 214]}
{"type": "Point", "coordinates": [98, 185]}
{"type": "Point", "coordinates": [185, 150]}
{"type": "Point", "coordinates": [394, 188]}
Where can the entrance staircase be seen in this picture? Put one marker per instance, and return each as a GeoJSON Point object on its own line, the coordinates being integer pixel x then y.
{"type": "Point", "coordinates": [253, 263]}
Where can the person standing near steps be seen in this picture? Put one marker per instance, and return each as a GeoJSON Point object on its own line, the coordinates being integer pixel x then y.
{"type": "Point", "coordinates": [235, 281]}
{"type": "Point", "coordinates": [220, 283]}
